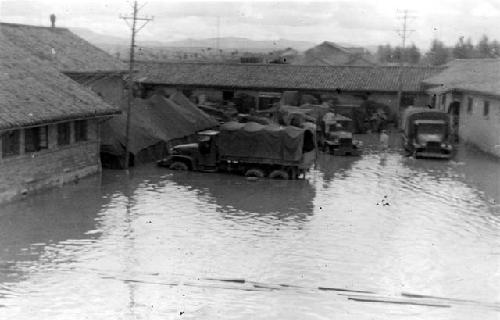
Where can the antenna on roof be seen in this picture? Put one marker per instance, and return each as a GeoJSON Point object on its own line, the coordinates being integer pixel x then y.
{"type": "Point", "coordinates": [53, 20]}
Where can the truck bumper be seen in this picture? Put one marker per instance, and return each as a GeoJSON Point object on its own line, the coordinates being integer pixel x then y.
{"type": "Point", "coordinates": [436, 155]}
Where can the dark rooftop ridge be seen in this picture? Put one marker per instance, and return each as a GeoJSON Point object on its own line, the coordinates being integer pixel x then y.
{"type": "Point", "coordinates": [294, 66]}
{"type": "Point", "coordinates": [20, 25]}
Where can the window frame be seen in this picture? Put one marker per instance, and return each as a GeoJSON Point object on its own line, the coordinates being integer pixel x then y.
{"type": "Point", "coordinates": [36, 139]}
{"type": "Point", "coordinates": [470, 105]}
{"type": "Point", "coordinates": [81, 128]}
{"type": "Point", "coordinates": [67, 140]}
{"type": "Point", "coordinates": [6, 153]}
{"type": "Point", "coordinates": [486, 108]}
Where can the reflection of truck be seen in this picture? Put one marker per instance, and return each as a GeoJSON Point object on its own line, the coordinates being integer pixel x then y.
{"type": "Point", "coordinates": [426, 133]}
{"type": "Point", "coordinates": [336, 136]}
{"type": "Point", "coordinates": [249, 148]}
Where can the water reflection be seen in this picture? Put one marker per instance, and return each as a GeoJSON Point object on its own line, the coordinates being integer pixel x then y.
{"type": "Point", "coordinates": [334, 167]}
{"type": "Point", "coordinates": [239, 198]}
{"type": "Point", "coordinates": [28, 226]}
{"type": "Point", "coordinates": [153, 243]}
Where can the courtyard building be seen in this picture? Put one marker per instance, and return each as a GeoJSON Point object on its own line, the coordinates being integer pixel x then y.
{"type": "Point", "coordinates": [49, 124]}
{"type": "Point", "coordinates": [469, 91]}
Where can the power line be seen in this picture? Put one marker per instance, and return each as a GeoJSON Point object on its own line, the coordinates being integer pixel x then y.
{"type": "Point", "coordinates": [133, 27]}
{"type": "Point", "coordinates": [404, 33]}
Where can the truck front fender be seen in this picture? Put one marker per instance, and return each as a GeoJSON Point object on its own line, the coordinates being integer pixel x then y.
{"type": "Point", "coordinates": [173, 158]}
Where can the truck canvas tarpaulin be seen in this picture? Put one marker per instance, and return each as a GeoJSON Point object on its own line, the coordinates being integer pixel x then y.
{"type": "Point", "coordinates": [413, 114]}
{"type": "Point", "coordinates": [253, 140]}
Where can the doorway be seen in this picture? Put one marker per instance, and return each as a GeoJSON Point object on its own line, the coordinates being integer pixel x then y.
{"type": "Point", "coordinates": [454, 111]}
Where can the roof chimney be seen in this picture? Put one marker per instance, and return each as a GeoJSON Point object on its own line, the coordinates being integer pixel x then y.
{"type": "Point", "coordinates": [53, 20]}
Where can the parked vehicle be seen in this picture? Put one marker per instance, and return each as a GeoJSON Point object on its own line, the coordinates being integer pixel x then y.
{"type": "Point", "coordinates": [252, 149]}
{"type": "Point", "coordinates": [426, 133]}
{"type": "Point", "coordinates": [336, 136]}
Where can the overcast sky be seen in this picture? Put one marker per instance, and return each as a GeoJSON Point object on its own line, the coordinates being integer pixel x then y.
{"type": "Point", "coordinates": [359, 22]}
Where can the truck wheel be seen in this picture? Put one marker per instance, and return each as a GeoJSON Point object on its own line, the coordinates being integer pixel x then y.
{"type": "Point", "coordinates": [279, 174]}
{"type": "Point", "coordinates": [254, 172]}
{"type": "Point", "coordinates": [180, 166]}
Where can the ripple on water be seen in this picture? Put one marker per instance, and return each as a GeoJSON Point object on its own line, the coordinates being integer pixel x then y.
{"type": "Point", "coordinates": [154, 244]}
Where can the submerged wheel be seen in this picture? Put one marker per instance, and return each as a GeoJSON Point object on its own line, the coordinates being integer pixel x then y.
{"type": "Point", "coordinates": [279, 174]}
{"type": "Point", "coordinates": [180, 166]}
{"type": "Point", "coordinates": [254, 172]}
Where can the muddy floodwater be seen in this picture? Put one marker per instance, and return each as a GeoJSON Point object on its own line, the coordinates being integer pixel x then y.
{"type": "Point", "coordinates": [380, 236]}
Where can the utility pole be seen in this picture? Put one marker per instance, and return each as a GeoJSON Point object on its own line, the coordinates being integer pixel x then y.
{"type": "Point", "coordinates": [134, 18]}
{"type": "Point", "coordinates": [404, 34]}
{"type": "Point", "coordinates": [218, 37]}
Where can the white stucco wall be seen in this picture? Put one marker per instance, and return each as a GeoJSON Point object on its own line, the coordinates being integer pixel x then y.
{"type": "Point", "coordinates": [475, 128]}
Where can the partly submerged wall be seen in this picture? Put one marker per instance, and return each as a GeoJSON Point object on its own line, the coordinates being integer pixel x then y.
{"type": "Point", "coordinates": [29, 171]}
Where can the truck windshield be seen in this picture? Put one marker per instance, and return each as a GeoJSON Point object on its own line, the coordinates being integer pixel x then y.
{"type": "Point", "coordinates": [431, 132]}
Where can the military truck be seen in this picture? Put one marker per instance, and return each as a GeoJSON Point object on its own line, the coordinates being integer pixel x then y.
{"type": "Point", "coordinates": [336, 136]}
{"type": "Point", "coordinates": [426, 133]}
{"type": "Point", "coordinates": [252, 149]}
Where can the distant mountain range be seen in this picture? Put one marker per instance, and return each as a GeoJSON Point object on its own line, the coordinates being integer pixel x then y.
{"type": "Point", "coordinates": [227, 43]}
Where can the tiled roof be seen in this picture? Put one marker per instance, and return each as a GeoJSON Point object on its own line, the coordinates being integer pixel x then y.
{"type": "Point", "coordinates": [278, 76]}
{"type": "Point", "coordinates": [64, 49]}
{"type": "Point", "coordinates": [478, 75]}
{"type": "Point", "coordinates": [32, 92]}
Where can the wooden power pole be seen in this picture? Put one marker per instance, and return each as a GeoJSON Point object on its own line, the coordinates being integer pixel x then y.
{"type": "Point", "coordinates": [133, 26]}
{"type": "Point", "coordinates": [403, 33]}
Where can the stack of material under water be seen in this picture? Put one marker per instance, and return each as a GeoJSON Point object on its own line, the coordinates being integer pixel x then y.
{"type": "Point", "coordinates": [153, 123]}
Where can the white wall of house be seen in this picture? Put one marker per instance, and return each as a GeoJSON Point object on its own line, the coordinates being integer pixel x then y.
{"type": "Point", "coordinates": [476, 127]}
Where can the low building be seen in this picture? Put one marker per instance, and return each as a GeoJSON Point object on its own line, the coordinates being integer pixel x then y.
{"type": "Point", "coordinates": [332, 54]}
{"type": "Point", "coordinates": [469, 90]}
{"type": "Point", "coordinates": [348, 85]}
{"type": "Point", "coordinates": [49, 124]}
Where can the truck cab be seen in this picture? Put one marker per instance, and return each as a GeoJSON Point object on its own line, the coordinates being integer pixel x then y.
{"type": "Point", "coordinates": [426, 133]}
{"type": "Point", "coordinates": [337, 137]}
{"type": "Point", "coordinates": [199, 156]}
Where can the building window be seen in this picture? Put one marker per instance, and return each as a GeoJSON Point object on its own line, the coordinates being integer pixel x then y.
{"type": "Point", "coordinates": [470, 102]}
{"type": "Point", "coordinates": [81, 128]}
{"type": "Point", "coordinates": [433, 101]}
{"type": "Point", "coordinates": [407, 99]}
{"type": "Point", "coordinates": [486, 108]}
{"type": "Point", "coordinates": [63, 133]}
{"type": "Point", "coordinates": [36, 139]}
{"type": "Point", "coordinates": [227, 95]}
{"type": "Point", "coordinates": [10, 143]}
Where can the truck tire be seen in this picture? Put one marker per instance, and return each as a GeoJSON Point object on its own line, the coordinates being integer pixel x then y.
{"type": "Point", "coordinates": [178, 165]}
{"type": "Point", "coordinates": [254, 172]}
{"type": "Point", "coordinates": [279, 174]}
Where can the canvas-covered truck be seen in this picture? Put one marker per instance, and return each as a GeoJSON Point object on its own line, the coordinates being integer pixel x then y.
{"type": "Point", "coordinates": [252, 149]}
{"type": "Point", "coordinates": [336, 136]}
{"type": "Point", "coordinates": [426, 133]}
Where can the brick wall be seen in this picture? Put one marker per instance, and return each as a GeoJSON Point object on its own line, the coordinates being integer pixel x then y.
{"type": "Point", "coordinates": [54, 166]}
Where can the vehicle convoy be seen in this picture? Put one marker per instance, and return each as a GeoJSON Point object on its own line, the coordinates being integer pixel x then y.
{"type": "Point", "coordinates": [252, 149]}
{"type": "Point", "coordinates": [426, 133]}
{"type": "Point", "coordinates": [336, 136]}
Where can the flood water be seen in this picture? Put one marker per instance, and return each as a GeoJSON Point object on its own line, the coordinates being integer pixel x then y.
{"type": "Point", "coordinates": [373, 237]}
